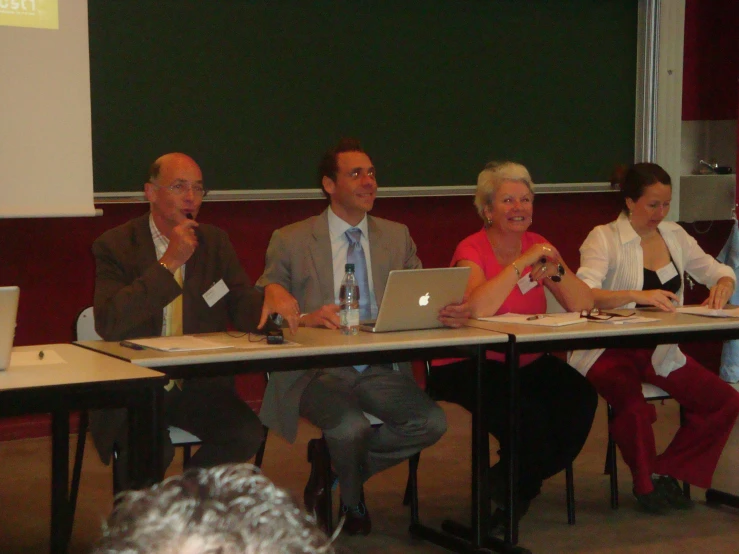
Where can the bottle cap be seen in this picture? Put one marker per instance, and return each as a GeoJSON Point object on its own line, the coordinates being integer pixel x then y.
{"type": "Point", "coordinates": [349, 268]}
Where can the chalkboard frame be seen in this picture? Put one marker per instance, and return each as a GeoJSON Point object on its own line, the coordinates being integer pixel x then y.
{"type": "Point", "coordinates": [462, 186]}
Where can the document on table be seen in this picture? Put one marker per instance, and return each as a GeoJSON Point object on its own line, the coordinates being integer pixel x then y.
{"type": "Point", "coordinates": [623, 319]}
{"type": "Point", "coordinates": [248, 341]}
{"type": "Point", "coordinates": [545, 320]}
{"type": "Point", "coordinates": [708, 312]}
{"type": "Point", "coordinates": [184, 343]}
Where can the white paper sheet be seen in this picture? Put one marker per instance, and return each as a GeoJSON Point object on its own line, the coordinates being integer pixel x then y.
{"type": "Point", "coordinates": [544, 320]}
{"type": "Point", "coordinates": [184, 343]}
{"type": "Point", "coordinates": [50, 357]}
{"type": "Point", "coordinates": [708, 312]}
{"type": "Point", "coordinates": [248, 341]}
{"type": "Point", "coordinates": [625, 320]}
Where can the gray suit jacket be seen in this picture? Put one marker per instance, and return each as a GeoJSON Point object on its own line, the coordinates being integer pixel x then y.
{"type": "Point", "coordinates": [299, 258]}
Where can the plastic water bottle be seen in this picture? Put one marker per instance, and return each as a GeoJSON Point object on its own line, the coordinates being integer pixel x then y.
{"type": "Point", "coordinates": [349, 302]}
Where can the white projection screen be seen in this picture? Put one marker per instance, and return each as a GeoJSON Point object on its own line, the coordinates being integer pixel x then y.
{"type": "Point", "coordinates": [45, 132]}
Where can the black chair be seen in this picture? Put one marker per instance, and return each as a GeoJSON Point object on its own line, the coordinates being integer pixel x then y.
{"type": "Point", "coordinates": [569, 483]}
{"type": "Point", "coordinates": [84, 329]}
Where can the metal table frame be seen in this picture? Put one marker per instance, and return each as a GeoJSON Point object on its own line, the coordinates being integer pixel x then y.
{"type": "Point", "coordinates": [142, 396]}
{"type": "Point", "coordinates": [520, 339]}
{"type": "Point", "coordinates": [592, 335]}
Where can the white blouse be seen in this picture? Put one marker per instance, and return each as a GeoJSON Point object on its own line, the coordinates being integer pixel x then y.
{"type": "Point", "coordinates": [611, 258]}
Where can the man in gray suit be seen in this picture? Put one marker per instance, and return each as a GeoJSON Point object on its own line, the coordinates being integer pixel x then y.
{"type": "Point", "coordinates": [304, 268]}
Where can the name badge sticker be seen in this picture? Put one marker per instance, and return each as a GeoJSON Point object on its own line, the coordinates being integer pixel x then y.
{"type": "Point", "coordinates": [666, 273]}
{"type": "Point", "coordinates": [526, 284]}
{"type": "Point", "coordinates": [215, 293]}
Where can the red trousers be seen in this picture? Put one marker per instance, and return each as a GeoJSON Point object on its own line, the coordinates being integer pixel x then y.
{"type": "Point", "coordinates": [711, 407]}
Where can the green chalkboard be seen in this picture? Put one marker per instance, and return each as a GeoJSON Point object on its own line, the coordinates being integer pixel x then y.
{"type": "Point", "coordinates": [256, 91]}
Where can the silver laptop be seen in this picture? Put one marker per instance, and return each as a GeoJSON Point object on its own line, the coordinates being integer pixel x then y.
{"type": "Point", "coordinates": [413, 298]}
{"type": "Point", "coordinates": [8, 312]}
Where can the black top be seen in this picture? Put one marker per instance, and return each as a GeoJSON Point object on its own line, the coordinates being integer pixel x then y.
{"type": "Point", "coordinates": [652, 282]}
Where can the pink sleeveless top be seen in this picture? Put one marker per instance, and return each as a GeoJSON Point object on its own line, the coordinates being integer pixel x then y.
{"type": "Point", "coordinates": [477, 249]}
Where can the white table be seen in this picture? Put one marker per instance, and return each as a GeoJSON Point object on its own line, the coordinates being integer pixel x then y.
{"type": "Point", "coordinates": [670, 328]}
{"type": "Point", "coordinates": [326, 348]}
{"type": "Point", "coordinates": [684, 327]}
{"type": "Point", "coordinates": [70, 378]}
{"type": "Point", "coordinates": [323, 348]}
{"type": "Point", "coordinates": [310, 343]}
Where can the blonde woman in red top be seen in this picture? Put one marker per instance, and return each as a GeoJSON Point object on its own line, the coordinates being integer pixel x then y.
{"type": "Point", "coordinates": [510, 268]}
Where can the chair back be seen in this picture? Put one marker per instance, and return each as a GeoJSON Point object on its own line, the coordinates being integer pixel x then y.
{"type": "Point", "coordinates": [374, 420]}
{"type": "Point", "coordinates": [553, 307]}
{"type": "Point", "coordinates": [85, 325]}
{"type": "Point", "coordinates": [653, 392]}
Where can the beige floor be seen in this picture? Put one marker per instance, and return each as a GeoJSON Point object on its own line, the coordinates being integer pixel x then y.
{"type": "Point", "coordinates": [444, 491]}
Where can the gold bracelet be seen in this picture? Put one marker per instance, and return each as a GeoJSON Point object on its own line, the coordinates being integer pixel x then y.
{"type": "Point", "coordinates": [518, 273]}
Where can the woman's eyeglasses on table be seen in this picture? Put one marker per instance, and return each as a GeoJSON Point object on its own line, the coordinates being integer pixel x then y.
{"type": "Point", "coordinates": [597, 315]}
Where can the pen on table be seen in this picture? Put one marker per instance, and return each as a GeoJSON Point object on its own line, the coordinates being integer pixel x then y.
{"type": "Point", "coordinates": [40, 354]}
{"type": "Point", "coordinates": [537, 316]}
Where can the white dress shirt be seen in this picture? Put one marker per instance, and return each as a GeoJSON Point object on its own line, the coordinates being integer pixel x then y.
{"type": "Point", "coordinates": [611, 258]}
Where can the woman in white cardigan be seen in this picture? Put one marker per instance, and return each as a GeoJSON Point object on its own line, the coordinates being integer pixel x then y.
{"type": "Point", "coordinates": [639, 260]}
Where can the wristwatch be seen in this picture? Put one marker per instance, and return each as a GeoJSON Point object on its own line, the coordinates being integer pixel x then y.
{"type": "Point", "coordinates": [560, 272]}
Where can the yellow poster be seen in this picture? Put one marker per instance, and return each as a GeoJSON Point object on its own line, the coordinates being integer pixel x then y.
{"type": "Point", "coordinates": [40, 14]}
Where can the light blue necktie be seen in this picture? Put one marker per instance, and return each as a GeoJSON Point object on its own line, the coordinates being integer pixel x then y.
{"type": "Point", "coordinates": [355, 256]}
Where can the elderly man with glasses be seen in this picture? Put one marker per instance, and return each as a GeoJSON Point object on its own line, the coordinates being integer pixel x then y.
{"type": "Point", "coordinates": [164, 273]}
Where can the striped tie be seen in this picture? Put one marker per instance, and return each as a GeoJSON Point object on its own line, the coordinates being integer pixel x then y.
{"type": "Point", "coordinates": [355, 256]}
{"type": "Point", "coordinates": [174, 324]}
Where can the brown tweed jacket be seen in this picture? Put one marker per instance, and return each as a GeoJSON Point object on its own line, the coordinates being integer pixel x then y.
{"type": "Point", "coordinates": [132, 289]}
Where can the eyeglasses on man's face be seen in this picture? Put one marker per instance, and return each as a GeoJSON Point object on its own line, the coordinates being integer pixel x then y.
{"type": "Point", "coordinates": [178, 188]}
{"type": "Point", "coordinates": [357, 173]}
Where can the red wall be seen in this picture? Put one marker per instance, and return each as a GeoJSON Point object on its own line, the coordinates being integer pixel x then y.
{"type": "Point", "coordinates": [50, 259]}
{"type": "Point", "coordinates": [711, 63]}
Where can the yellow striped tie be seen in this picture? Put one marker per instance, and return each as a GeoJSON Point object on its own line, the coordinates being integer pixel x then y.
{"type": "Point", "coordinates": [174, 324]}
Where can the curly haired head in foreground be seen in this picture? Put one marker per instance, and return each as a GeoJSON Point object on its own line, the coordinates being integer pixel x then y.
{"type": "Point", "coordinates": [228, 509]}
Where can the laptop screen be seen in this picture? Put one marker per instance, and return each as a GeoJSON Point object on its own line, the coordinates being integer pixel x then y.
{"type": "Point", "coordinates": [413, 298]}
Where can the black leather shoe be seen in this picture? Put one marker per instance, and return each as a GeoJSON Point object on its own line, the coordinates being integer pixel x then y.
{"type": "Point", "coordinates": [317, 490]}
{"type": "Point", "coordinates": [672, 492]}
{"type": "Point", "coordinates": [498, 479]}
{"type": "Point", "coordinates": [653, 502]}
{"type": "Point", "coordinates": [498, 486]}
{"type": "Point", "coordinates": [358, 521]}
{"type": "Point", "coordinates": [499, 522]}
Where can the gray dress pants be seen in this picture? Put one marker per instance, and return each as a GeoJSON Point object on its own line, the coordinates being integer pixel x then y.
{"type": "Point", "coordinates": [335, 401]}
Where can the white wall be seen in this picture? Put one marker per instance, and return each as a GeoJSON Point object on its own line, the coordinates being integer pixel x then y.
{"type": "Point", "coordinates": [45, 130]}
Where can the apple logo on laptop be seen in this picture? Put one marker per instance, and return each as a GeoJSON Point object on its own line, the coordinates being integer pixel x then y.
{"type": "Point", "coordinates": [424, 300]}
